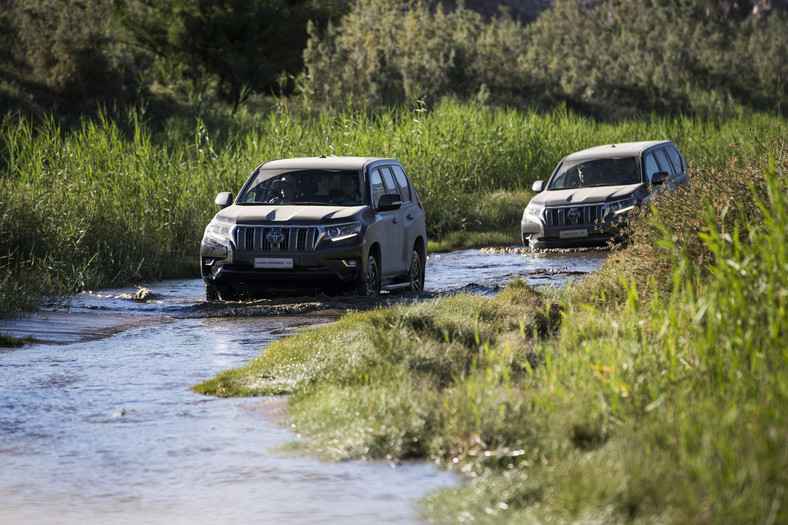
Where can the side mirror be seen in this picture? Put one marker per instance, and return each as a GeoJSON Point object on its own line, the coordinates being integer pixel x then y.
{"type": "Point", "coordinates": [538, 186]}
{"type": "Point", "coordinates": [389, 202]}
{"type": "Point", "coordinates": [224, 199]}
{"type": "Point", "coordinates": [660, 177]}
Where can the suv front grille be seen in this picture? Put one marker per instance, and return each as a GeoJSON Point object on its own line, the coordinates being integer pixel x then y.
{"type": "Point", "coordinates": [574, 215]}
{"type": "Point", "coordinates": [275, 238]}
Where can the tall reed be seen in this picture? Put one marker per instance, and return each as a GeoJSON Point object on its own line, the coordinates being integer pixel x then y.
{"type": "Point", "coordinates": [109, 202]}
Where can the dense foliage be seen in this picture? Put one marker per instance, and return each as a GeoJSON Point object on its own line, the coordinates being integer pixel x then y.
{"type": "Point", "coordinates": [231, 46]}
{"type": "Point", "coordinates": [618, 59]}
{"type": "Point", "coordinates": [613, 59]}
{"type": "Point", "coordinates": [67, 56]}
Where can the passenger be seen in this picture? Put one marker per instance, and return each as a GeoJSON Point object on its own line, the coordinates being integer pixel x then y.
{"type": "Point", "coordinates": [627, 171]}
{"type": "Point", "coordinates": [350, 194]}
{"type": "Point", "coordinates": [573, 178]}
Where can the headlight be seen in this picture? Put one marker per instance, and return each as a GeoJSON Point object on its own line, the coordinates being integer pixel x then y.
{"type": "Point", "coordinates": [338, 232]}
{"type": "Point", "coordinates": [218, 230]}
{"type": "Point", "coordinates": [623, 206]}
{"type": "Point", "coordinates": [533, 212]}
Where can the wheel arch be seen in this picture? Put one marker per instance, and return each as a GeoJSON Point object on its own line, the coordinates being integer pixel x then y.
{"type": "Point", "coordinates": [374, 249]}
{"type": "Point", "coordinates": [421, 247]}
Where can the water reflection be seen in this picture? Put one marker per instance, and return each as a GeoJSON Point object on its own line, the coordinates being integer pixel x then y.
{"type": "Point", "coordinates": [107, 431]}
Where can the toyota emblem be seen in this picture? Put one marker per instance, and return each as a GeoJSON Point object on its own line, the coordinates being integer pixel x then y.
{"type": "Point", "coordinates": [275, 236]}
{"type": "Point", "coordinates": [574, 215]}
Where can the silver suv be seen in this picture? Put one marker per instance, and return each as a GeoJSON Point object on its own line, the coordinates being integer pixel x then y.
{"type": "Point", "coordinates": [586, 199]}
{"type": "Point", "coordinates": [318, 223]}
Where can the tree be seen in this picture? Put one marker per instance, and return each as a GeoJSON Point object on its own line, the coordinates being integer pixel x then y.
{"type": "Point", "coordinates": [70, 48]}
{"type": "Point", "coordinates": [385, 52]}
{"type": "Point", "coordinates": [238, 45]}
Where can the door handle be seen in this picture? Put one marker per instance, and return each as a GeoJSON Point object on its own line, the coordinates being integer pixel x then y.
{"type": "Point", "coordinates": [409, 216]}
{"type": "Point", "coordinates": [395, 220]}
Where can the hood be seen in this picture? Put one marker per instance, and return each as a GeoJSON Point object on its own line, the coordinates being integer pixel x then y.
{"type": "Point", "coordinates": [578, 196]}
{"type": "Point", "coordinates": [295, 214]}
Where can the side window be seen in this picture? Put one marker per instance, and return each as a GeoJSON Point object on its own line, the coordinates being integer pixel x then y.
{"type": "Point", "coordinates": [402, 181]}
{"type": "Point", "coordinates": [651, 166]}
{"type": "Point", "coordinates": [376, 185]}
{"type": "Point", "coordinates": [664, 163]}
{"type": "Point", "coordinates": [388, 180]}
{"type": "Point", "coordinates": [676, 159]}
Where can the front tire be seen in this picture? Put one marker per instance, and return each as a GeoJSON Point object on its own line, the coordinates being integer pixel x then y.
{"type": "Point", "coordinates": [370, 279]}
{"type": "Point", "coordinates": [416, 273]}
{"type": "Point", "coordinates": [215, 293]}
{"type": "Point", "coordinates": [211, 293]}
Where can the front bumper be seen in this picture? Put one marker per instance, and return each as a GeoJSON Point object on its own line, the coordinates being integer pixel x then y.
{"type": "Point", "coordinates": [326, 268]}
{"type": "Point", "coordinates": [538, 235]}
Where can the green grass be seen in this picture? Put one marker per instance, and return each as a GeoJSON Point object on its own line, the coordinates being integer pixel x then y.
{"type": "Point", "coordinates": [488, 219]}
{"type": "Point", "coordinates": [652, 392]}
{"type": "Point", "coordinates": [9, 341]}
{"type": "Point", "coordinates": [472, 239]}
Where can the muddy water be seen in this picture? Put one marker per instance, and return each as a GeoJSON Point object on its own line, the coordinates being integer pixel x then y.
{"type": "Point", "coordinates": [98, 425]}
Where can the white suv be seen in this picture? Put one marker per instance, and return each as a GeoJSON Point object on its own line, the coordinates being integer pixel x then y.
{"type": "Point", "coordinates": [586, 199]}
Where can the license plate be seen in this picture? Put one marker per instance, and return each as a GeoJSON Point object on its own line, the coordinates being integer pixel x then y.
{"type": "Point", "coordinates": [573, 234]}
{"type": "Point", "coordinates": [273, 263]}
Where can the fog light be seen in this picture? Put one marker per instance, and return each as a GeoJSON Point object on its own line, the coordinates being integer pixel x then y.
{"type": "Point", "coordinates": [352, 263]}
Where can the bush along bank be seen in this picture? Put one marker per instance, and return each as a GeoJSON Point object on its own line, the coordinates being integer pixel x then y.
{"type": "Point", "coordinates": [653, 391]}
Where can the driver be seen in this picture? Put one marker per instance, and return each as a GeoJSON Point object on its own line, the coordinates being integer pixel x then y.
{"type": "Point", "coordinates": [285, 190]}
{"type": "Point", "coordinates": [582, 176]}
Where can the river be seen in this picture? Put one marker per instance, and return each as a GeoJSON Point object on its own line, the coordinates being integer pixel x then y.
{"type": "Point", "coordinates": [98, 424]}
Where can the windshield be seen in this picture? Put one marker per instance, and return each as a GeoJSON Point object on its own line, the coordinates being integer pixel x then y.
{"type": "Point", "coordinates": [596, 172]}
{"type": "Point", "coordinates": [321, 187]}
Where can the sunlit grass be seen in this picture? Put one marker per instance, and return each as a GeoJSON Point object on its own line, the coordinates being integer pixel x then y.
{"type": "Point", "coordinates": [470, 239]}
{"type": "Point", "coordinates": [489, 219]}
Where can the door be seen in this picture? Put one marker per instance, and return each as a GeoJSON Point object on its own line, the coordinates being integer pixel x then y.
{"type": "Point", "coordinates": [392, 240]}
{"type": "Point", "coordinates": [411, 212]}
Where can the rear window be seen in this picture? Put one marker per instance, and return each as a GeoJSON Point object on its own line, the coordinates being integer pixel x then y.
{"type": "Point", "coordinates": [679, 166]}
{"type": "Point", "coordinates": [376, 185]}
{"type": "Point", "coordinates": [402, 182]}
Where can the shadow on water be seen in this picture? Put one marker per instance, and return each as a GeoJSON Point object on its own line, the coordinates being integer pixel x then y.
{"type": "Point", "coordinates": [98, 424]}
